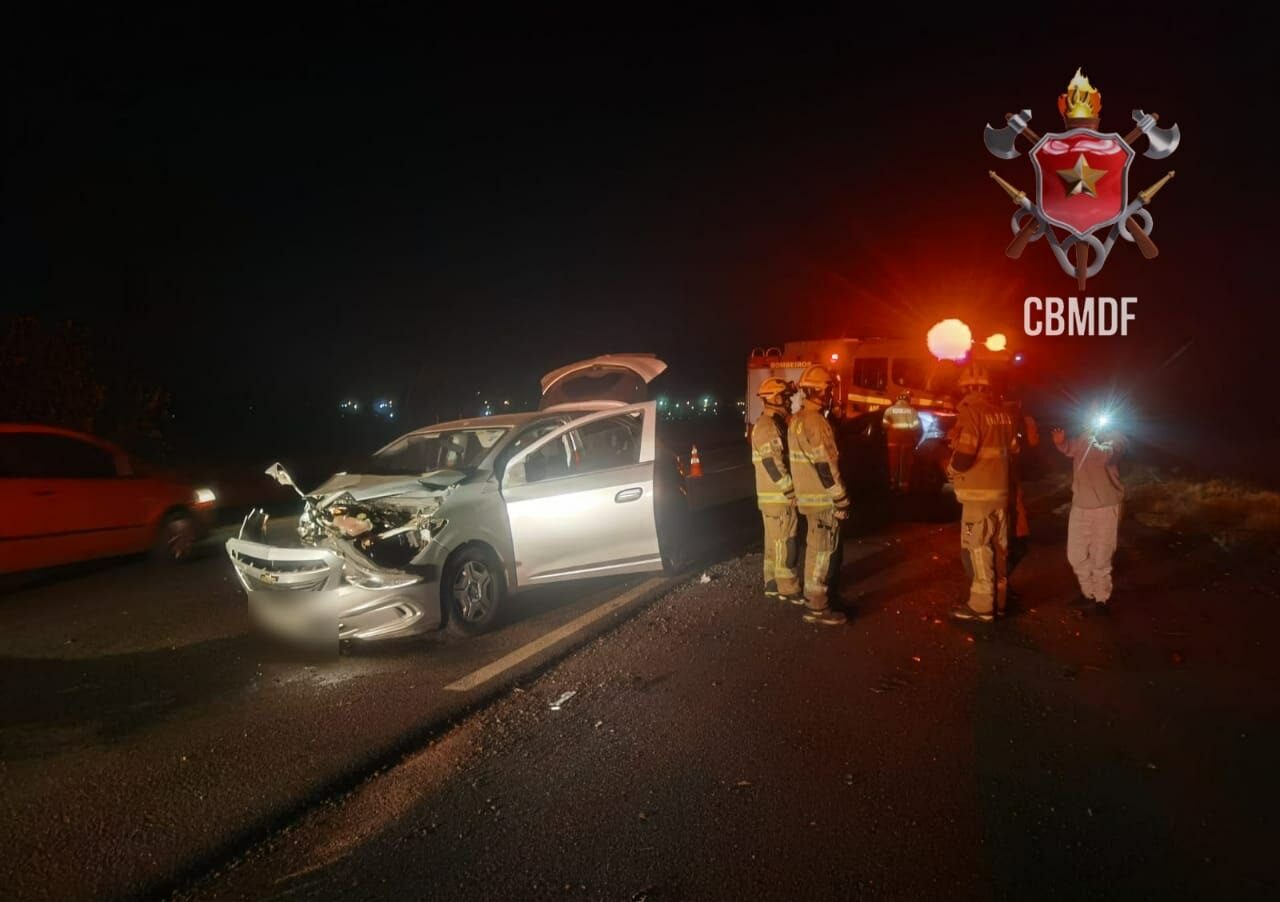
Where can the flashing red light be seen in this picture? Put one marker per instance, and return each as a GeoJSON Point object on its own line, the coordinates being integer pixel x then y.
{"type": "Point", "coordinates": [949, 339]}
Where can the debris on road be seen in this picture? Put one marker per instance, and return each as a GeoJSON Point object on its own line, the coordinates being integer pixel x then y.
{"type": "Point", "coordinates": [705, 578]}
{"type": "Point", "coordinates": [564, 697]}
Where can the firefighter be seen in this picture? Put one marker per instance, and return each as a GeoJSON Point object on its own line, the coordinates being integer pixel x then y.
{"type": "Point", "coordinates": [820, 494]}
{"type": "Point", "coordinates": [775, 492]}
{"type": "Point", "coordinates": [902, 434]}
{"type": "Point", "coordinates": [1097, 495]}
{"type": "Point", "coordinates": [981, 443]}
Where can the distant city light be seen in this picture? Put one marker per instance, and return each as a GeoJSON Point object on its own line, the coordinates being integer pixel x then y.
{"type": "Point", "coordinates": [997, 342]}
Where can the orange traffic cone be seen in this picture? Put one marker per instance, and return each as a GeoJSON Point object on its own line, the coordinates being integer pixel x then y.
{"type": "Point", "coordinates": [695, 463]}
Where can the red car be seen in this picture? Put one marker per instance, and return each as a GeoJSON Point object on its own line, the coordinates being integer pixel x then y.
{"type": "Point", "coordinates": [66, 496]}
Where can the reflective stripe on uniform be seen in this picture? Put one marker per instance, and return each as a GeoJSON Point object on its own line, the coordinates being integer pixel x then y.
{"type": "Point", "coordinates": [981, 494]}
{"type": "Point", "coordinates": [815, 500]}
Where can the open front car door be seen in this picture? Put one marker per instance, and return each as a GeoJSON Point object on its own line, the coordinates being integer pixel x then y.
{"type": "Point", "coordinates": [580, 499]}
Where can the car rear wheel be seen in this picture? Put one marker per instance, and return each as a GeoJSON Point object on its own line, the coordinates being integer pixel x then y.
{"type": "Point", "coordinates": [175, 539]}
{"type": "Point", "coordinates": [473, 589]}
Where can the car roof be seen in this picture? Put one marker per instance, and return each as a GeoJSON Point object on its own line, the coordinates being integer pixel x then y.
{"type": "Point", "coordinates": [498, 421]}
{"type": "Point", "coordinates": [40, 429]}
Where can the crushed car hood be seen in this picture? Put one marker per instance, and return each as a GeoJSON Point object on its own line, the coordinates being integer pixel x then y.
{"type": "Point", "coordinates": [369, 487]}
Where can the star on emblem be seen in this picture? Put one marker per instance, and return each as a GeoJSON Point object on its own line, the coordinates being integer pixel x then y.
{"type": "Point", "coordinates": [1081, 178]}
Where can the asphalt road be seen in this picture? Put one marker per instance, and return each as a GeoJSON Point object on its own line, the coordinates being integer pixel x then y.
{"type": "Point", "coordinates": [145, 733]}
{"type": "Point", "coordinates": [717, 747]}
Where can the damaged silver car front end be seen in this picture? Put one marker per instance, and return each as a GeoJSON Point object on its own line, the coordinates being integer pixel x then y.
{"type": "Point", "coordinates": [358, 569]}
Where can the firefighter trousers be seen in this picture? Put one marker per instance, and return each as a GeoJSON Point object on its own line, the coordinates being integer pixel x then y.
{"type": "Point", "coordinates": [1091, 541]}
{"type": "Point", "coordinates": [902, 455]}
{"type": "Point", "coordinates": [984, 550]}
{"type": "Point", "coordinates": [821, 556]}
{"type": "Point", "coordinates": [780, 548]}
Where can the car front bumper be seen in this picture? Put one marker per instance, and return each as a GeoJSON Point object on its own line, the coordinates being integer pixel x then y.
{"type": "Point", "coordinates": [303, 595]}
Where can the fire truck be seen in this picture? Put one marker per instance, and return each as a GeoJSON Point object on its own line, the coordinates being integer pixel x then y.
{"type": "Point", "coordinates": [870, 374]}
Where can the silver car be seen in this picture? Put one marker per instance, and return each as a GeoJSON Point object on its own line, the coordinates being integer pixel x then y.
{"type": "Point", "coordinates": [449, 520]}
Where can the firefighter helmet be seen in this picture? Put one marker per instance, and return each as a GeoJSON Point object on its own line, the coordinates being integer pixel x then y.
{"type": "Point", "coordinates": [904, 396]}
{"type": "Point", "coordinates": [816, 378]}
{"type": "Point", "coordinates": [975, 374]}
{"type": "Point", "coordinates": [775, 386]}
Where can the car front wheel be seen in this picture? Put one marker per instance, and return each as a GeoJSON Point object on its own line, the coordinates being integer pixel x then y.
{"type": "Point", "coordinates": [175, 540]}
{"type": "Point", "coordinates": [473, 589]}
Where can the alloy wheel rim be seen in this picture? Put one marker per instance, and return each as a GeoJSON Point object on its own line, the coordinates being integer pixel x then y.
{"type": "Point", "coordinates": [473, 590]}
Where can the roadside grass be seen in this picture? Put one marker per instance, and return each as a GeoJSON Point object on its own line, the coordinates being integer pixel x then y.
{"type": "Point", "coordinates": [1234, 514]}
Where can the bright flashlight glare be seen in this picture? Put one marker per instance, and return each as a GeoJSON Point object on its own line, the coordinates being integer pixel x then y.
{"type": "Point", "coordinates": [1102, 420]}
{"type": "Point", "coordinates": [997, 342]}
{"type": "Point", "coordinates": [950, 340]}
{"type": "Point", "coordinates": [205, 496]}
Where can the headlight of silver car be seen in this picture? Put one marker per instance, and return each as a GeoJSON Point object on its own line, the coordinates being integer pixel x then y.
{"type": "Point", "coordinates": [367, 580]}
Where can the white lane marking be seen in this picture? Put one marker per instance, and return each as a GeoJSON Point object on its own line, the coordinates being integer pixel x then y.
{"type": "Point", "coordinates": [524, 652]}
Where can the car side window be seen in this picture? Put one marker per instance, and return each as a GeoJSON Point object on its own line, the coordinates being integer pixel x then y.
{"type": "Point", "coordinates": [526, 438]}
{"type": "Point", "coordinates": [606, 444]}
{"type": "Point", "coordinates": [549, 462]}
{"type": "Point", "coordinates": [35, 455]}
{"type": "Point", "coordinates": [10, 463]}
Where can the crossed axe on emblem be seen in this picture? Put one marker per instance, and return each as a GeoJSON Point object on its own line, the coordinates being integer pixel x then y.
{"type": "Point", "coordinates": [1030, 224]}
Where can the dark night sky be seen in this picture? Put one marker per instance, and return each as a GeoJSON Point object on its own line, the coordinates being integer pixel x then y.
{"type": "Point", "coordinates": [244, 209]}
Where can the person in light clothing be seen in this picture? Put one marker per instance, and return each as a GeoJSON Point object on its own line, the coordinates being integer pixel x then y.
{"type": "Point", "coordinates": [1097, 496]}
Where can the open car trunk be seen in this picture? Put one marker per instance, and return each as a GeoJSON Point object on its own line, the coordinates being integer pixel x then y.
{"type": "Point", "coordinates": [612, 378]}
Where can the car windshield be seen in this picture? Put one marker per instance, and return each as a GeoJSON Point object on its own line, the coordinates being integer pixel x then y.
{"type": "Point", "coordinates": [456, 449]}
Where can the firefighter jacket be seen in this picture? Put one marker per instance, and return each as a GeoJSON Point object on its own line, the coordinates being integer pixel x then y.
{"type": "Point", "coordinates": [901, 420]}
{"type": "Point", "coordinates": [774, 487]}
{"type": "Point", "coordinates": [815, 462]}
{"type": "Point", "coordinates": [982, 441]}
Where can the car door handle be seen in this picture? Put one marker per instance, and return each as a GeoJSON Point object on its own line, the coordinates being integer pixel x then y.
{"type": "Point", "coordinates": [628, 495]}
